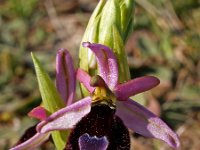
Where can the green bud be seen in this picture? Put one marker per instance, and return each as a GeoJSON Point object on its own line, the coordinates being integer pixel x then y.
{"type": "Point", "coordinates": [110, 25]}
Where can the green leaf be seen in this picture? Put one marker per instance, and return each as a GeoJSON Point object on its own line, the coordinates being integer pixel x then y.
{"type": "Point", "coordinates": [60, 139]}
{"type": "Point", "coordinates": [51, 100]}
{"type": "Point", "coordinates": [50, 97]}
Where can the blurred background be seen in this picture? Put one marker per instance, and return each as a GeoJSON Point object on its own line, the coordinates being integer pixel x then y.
{"type": "Point", "coordinates": [165, 43]}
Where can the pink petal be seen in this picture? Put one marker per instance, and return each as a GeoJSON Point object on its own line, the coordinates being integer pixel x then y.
{"type": "Point", "coordinates": [135, 86]}
{"type": "Point", "coordinates": [107, 63]}
{"type": "Point", "coordinates": [86, 142]}
{"type": "Point", "coordinates": [38, 112]}
{"type": "Point", "coordinates": [67, 117]}
{"type": "Point", "coordinates": [33, 142]}
{"type": "Point", "coordinates": [65, 76]}
{"type": "Point", "coordinates": [144, 122]}
{"type": "Point", "coordinates": [84, 78]}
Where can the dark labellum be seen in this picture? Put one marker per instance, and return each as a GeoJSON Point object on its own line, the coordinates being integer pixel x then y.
{"type": "Point", "coordinates": [27, 135]}
{"type": "Point", "coordinates": [101, 122]}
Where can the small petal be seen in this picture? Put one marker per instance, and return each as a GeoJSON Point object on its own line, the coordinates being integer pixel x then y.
{"type": "Point", "coordinates": [135, 86]}
{"type": "Point", "coordinates": [86, 142]}
{"type": "Point", "coordinates": [84, 78]}
{"type": "Point", "coordinates": [144, 122]}
{"type": "Point", "coordinates": [65, 76]}
{"type": "Point", "coordinates": [107, 63]}
{"type": "Point", "coordinates": [33, 142]}
{"type": "Point", "coordinates": [38, 112]}
{"type": "Point", "coordinates": [67, 117]}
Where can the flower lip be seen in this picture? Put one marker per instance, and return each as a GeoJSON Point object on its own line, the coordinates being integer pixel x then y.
{"type": "Point", "coordinates": [101, 122]}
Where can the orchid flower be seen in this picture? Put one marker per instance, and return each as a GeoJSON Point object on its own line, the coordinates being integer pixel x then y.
{"type": "Point", "coordinates": [100, 121]}
{"type": "Point", "coordinates": [134, 116]}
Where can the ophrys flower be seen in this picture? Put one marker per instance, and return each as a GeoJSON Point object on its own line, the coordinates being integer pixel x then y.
{"type": "Point", "coordinates": [103, 117]}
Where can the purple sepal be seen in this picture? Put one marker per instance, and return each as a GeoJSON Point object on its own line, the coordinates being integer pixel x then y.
{"type": "Point", "coordinates": [65, 76]}
{"type": "Point", "coordinates": [144, 122]}
{"type": "Point", "coordinates": [135, 86]}
{"type": "Point", "coordinates": [86, 142]}
{"type": "Point", "coordinates": [66, 118]}
{"type": "Point", "coordinates": [107, 63]}
{"type": "Point", "coordinates": [33, 142]}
